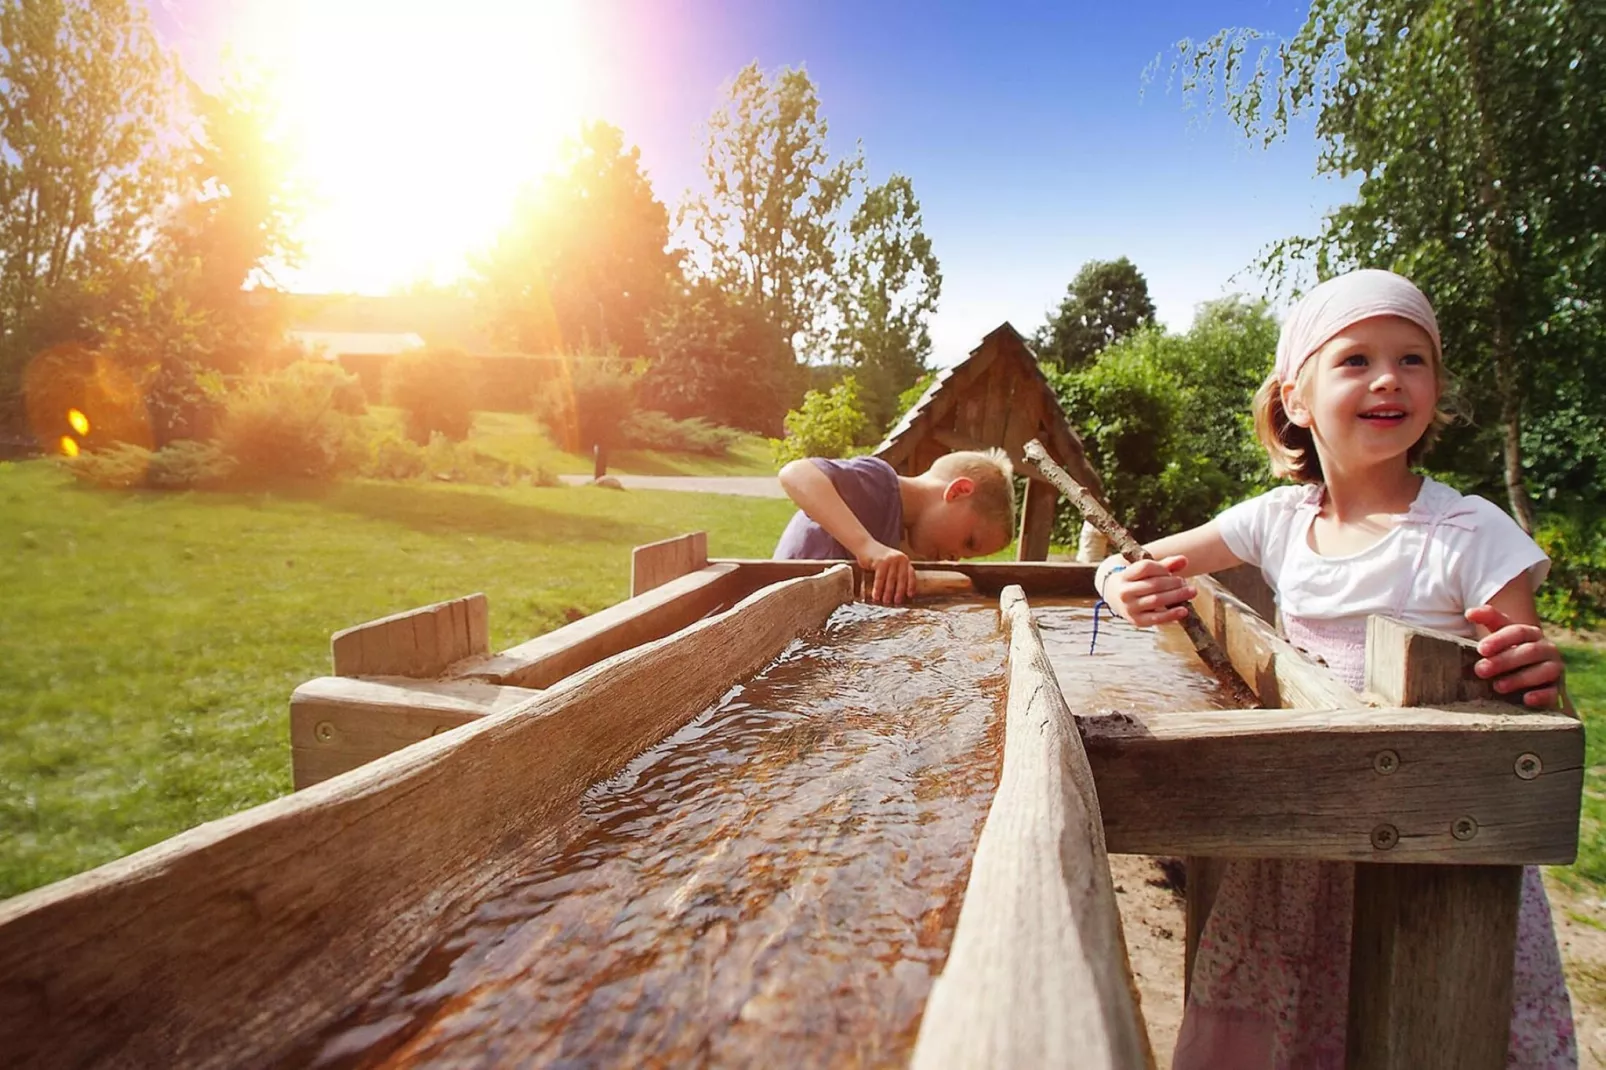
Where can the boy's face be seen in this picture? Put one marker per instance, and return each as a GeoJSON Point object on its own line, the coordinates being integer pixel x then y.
{"type": "Point", "coordinates": [950, 529]}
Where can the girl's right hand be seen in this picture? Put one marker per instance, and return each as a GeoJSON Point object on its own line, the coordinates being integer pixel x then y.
{"type": "Point", "coordinates": [1150, 592]}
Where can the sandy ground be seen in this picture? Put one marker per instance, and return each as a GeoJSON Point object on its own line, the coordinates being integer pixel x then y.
{"type": "Point", "coordinates": [1152, 918]}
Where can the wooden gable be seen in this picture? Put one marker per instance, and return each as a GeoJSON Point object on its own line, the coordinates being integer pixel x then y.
{"type": "Point", "coordinates": [995, 397]}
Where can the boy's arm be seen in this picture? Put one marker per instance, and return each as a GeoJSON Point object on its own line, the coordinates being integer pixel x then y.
{"type": "Point", "coordinates": [814, 493]}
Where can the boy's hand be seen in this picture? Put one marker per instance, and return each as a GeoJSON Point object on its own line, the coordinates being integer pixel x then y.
{"type": "Point", "coordinates": [894, 574]}
{"type": "Point", "coordinates": [1148, 592]}
{"type": "Point", "coordinates": [1517, 657]}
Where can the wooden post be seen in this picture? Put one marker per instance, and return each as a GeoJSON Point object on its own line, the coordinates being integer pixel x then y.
{"type": "Point", "coordinates": [657, 563]}
{"type": "Point", "coordinates": [1433, 946]}
{"type": "Point", "coordinates": [1036, 521]}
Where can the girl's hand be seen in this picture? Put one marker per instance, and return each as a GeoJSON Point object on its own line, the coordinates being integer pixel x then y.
{"type": "Point", "coordinates": [1517, 657]}
{"type": "Point", "coordinates": [1148, 592]}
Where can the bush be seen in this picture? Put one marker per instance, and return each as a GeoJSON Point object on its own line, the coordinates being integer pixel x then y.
{"type": "Point", "coordinates": [458, 462]}
{"type": "Point", "coordinates": [1575, 594]}
{"type": "Point", "coordinates": [390, 456]}
{"type": "Point", "coordinates": [183, 465]}
{"type": "Point", "coordinates": [436, 389]}
{"type": "Point", "coordinates": [658, 431]}
{"type": "Point", "coordinates": [589, 406]}
{"type": "Point", "coordinates": [288, 425]}
{"type": "Point", "coordinates": [827, 425]}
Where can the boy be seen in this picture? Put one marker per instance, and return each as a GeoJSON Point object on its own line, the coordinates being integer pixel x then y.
{"type": "Point", "coordinates": [861, 510]}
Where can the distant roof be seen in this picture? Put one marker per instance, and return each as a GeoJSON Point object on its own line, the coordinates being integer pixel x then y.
{"type": "Point", "coordinates": [332, 345]}
{"type": "Point", "coordinates": [446, 320]}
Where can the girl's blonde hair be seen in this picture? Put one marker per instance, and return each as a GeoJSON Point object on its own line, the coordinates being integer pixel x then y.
{"type": "Point", "coordinates": [1292, 448]}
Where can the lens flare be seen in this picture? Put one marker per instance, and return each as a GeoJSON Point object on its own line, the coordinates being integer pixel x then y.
{"type": "Point", "coordinates": [79, 422]}
{"type": "Point", "coordinates": [69, 446]}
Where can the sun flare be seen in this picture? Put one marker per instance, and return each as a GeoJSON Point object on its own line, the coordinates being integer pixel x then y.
{"type": "Point", "coordinates": [416, 124]}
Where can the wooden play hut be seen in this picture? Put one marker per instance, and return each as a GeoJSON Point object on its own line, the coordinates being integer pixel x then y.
{"type": "Point", "coordinates": [430, 767]}
{"type": "Point", "coordinates": [996, 397]}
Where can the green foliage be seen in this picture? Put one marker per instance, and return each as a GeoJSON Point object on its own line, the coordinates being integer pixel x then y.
{"type": "Point", "coordinates": [288, 425]}
{"type": "Point", "coordinates": [909, 398]}
{"type": "Point", "coordinates": [647, 430]}
{"type": "Point", "coordinates": [183, 465]}
{"type": "Point", "coordinates": [392, 456]}
{"type": "Point", "coordinates": [589, 405]}
{"type": "Point", "coordinates": [828, 424]}
{"type": "Point", "coordinates": [1108, 300]}
{"type": "Point", "coordinates": [436, 388]}
{"type": "Point", "coordinates": [584, 263]}
{"type": "Point", "coordinates": [888, 293]}
{"type": "Point", "coordinates": [1476, 131]}
{"type": "Point", "coordinates": [1575, 594]}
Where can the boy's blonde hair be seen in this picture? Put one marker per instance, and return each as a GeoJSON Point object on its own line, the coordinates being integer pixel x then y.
{"type": "Point", "coordinates": [1292, 449]}
{"type": "Point", "coordinates": [993, 476]}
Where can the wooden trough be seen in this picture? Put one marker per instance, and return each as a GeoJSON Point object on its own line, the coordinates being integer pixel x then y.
{"type": "Point", "coordinates": [430, 765]}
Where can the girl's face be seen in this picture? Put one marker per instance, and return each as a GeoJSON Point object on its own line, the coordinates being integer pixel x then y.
{"type": "Point", "coordinates": [1368, 394]}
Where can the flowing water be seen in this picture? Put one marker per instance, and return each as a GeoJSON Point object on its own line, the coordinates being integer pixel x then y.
{"type": "Point", "coordinates": [774, 884]}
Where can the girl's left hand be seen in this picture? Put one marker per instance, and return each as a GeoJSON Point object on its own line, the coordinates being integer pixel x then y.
{"type": "Point", "coordinates": [1517, 657]}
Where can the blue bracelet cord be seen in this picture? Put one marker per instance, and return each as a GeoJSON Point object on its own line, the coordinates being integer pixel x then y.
{"type": "Point", "coordinates": [1100, 604]}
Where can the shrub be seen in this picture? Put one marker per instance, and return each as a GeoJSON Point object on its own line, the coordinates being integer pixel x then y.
{"type": "Point", "coordinates": [183, 465]}
{"type": "Point", "coordinates": [589, 405]}
{"type": "Point", "coordinates": [390, 456]}
{"type": "Point", "coordinates": [288, 425]}
{"type": "Point", "coordinates": [657, 431]}
{"type": "Point", "coordinates": [1575, 594]}
{"type": "Point", "coordinates": [827, 425]}
{"type": "Point", "coordinates": [435, 388]}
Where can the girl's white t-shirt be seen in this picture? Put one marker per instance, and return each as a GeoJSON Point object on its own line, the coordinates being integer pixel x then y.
{"type": "Point", "coordinates": [1450, 552]}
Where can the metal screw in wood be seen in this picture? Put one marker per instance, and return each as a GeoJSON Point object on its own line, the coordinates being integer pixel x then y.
{"type": "Point", "coordinates": [1464, 828]}
{"type": "Point", "coordinates": [1385, 762]}
{"type": "Point", "coordinates": [1529, 766]}
{"type": "Point", "coordinates": [324, 732]}
{"type": "Point", "coordinates": [1384, 837]}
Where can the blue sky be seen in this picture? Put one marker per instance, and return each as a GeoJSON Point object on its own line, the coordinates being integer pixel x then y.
{"type": "Point", "coordinates": [1031, 141]}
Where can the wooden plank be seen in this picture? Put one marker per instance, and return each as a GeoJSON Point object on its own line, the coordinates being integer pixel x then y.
{"type": "Point", "coordinates": [231, 943]}
{"type": "Point", "coordinates": [1071, 579]}
{"type": "Point", "coordinates": [1407, 666]}
{"type": "Point", "coordinates": [1037, 521]}
{"type": "Point", "coordinates": [1268, 663]}
{"type": "Point", "coordinates": [421, 642]}
{"type": "Point", "coordinates": [1404, 1010]}
{"type": "Point", "coordinates": [1037, 974]}
{"type": "Point", "coordinates": [656, 563]}
{"type": "Point", "coordinates": [1320, 784]}
{"type": "Point", "coordinates": [1025, 416]}
{"type": "Point", "coordinates": [337, 723]}
{"type": "Point", "coordinates": [546, 659]}
{"type": "Point", "coordinates": [1433, 948]}
{"type": "Point", "coordinates": [1001, 385]}
{"type": "Point", "coordinates": [1249, 586]}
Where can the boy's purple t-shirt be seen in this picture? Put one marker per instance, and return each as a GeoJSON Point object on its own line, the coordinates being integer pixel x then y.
{"type": "Point", "coordinates": [869, 486]}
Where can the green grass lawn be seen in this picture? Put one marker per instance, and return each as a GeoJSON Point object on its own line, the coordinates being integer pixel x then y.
{"type": "Point", "coordinates": [149, 642]}
{"type": "Point", "coordinates": [1586, 683]}
{"type": "Point", "coordinates": [515, 437]}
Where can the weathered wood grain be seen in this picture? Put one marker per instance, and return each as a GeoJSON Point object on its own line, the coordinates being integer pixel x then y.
{"type": "Point", "coordinates": [1409, 666]}
{"type": "Point", "coordinates": [1037, 975]}
{"type": "Point", "coordinates": [1279, 675]}
{"type": "Point", "coordinates": [337, 723]}
{"type": "Point", "coordinates": [656, 563]}
{"type": "Point", "coordinates": [1318, 784]}
{"type": "Point", "coordinates": [1037, 520]}
{"type": "Point", "coordinates": [1072, 579]}
{"type": "Point", "coordinates": [226, 945]}
{"type": "Point", "coordinates": [548, 658]}
{"type": "Point", "coordinates": [421, 642]}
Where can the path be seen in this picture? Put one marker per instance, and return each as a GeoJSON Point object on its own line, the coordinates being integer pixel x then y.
{"type": "Point", "coordinates": [742, 486]}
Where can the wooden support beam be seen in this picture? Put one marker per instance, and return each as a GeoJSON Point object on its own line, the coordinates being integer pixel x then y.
{"type": "Point", "coordinates": [1407, 666]}
{"type": "Point", "coordinates": [656, 563]}
{"type": "Point", "coordinates": [1279, 675]}
{"type": "Point", "coordinates": [231, 944]}
{"type": "Point", "coordinates": [420, 642]}
{"type": "Point", "coordinates": [1071, 579]}
{"type": "Point", "coordinates": [546, 659]}
{"type": "Point", "coordinates": [1037, 974]}
{"type": "Point", "coordinates": [1433, 948]}
{"type": "Point", "coordinates": [337, 723]}
{"type": "Point", "coordinates": [1444, 784]}
{"type": "Point", "coordinates": [1037, 521]}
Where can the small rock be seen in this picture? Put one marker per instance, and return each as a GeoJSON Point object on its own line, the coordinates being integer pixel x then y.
{"type": "Point", "coordinates": [611, 482]}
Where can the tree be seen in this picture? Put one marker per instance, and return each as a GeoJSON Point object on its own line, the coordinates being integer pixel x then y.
{"type": "Point", "coordinates": [1108, 300]}
{"type": "Point", "coordinates": [1476, 129]}
{"type": "Point", "coordinates": [769, 222]}
{"type": "Point", "coordinates": [888, 292]}
{"type": "Point", "coordinates": [584, 262]}
{"type": "Point", "coordinates": [86, 97]}
{"type": "Point", "coordinates": [827, 424]}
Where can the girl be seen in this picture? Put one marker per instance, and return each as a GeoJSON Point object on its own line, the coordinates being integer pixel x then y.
{"type": "Point", "coordinates": [1350, 406]}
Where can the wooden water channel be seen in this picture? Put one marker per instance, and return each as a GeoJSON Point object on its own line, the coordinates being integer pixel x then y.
{"type": "Point", "coordinates": [431, 768]}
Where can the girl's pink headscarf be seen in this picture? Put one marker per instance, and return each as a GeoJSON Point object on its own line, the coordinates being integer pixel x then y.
{"type": "Point", "coordinates": [1342, 301]}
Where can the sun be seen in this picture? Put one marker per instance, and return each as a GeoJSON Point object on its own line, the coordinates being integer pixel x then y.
{"type": "Point", "coordinates": [416, 124]}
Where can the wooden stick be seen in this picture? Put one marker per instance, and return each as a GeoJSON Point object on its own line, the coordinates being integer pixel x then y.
{"type": "Point", "coordinates": [1209, 650]}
